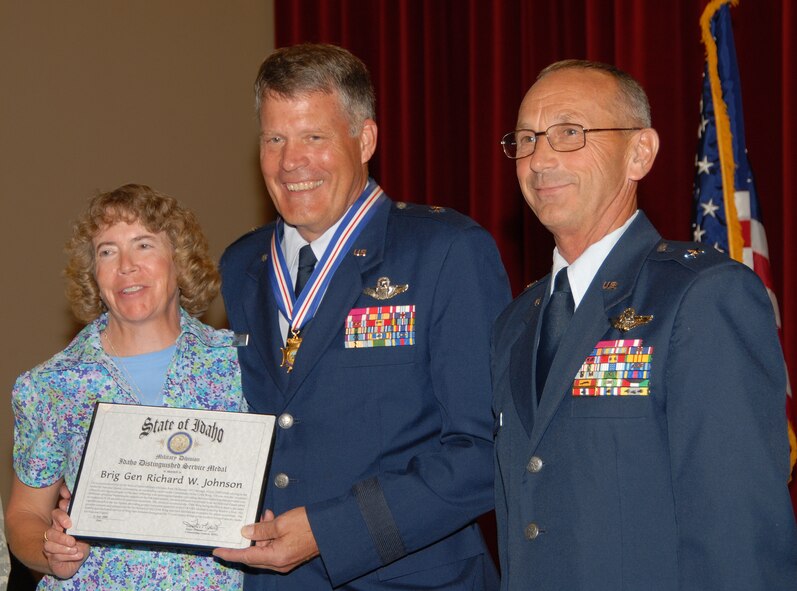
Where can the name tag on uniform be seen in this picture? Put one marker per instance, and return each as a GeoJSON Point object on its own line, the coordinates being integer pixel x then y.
{"type": "Point", "coordinates": [615, 368]}
{"type": "Point", "coordinates": [380, 326]}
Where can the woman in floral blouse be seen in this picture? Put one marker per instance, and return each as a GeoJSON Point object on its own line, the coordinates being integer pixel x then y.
{"type": "Point", "coordinates": [138, 274]}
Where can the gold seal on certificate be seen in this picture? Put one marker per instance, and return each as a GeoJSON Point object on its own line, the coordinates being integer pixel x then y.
{"type": "Point", "coordinates": [179, 443]}
{"type": "Point", "coordinates": [180, 477]}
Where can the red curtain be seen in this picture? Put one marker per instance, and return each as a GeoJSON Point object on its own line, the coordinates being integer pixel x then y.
{"type": "Point", "coordinates": [450, 74]}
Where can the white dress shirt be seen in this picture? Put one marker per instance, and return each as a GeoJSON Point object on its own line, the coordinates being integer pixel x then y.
{"type": "Point", "coordinates": [582, 271]}
{"type": "Point", "coordinates": [292, 243]}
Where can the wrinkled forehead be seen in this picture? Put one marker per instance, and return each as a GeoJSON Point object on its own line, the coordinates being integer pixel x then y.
{"type": "Point", "coordinates": [305, 100]}
{"type": "Point", "coordinates": [576, 95]}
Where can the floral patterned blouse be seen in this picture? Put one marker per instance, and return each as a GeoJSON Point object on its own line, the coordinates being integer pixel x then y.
{"type": "Point", "coordinates": [53, 405]}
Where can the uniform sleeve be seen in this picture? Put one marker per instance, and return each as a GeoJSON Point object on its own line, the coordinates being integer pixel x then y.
{"type": "Point", "coordinates": [395, 513]}
{"type": "Point", "coordinates": [728, 437]}
{"type": "Point", "coordinates": [38, 461]}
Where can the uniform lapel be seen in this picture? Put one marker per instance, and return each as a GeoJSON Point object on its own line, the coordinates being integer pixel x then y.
{"type": "Point", "coordinates": [262, 317]}
{"type": "Point", "coordinates": [522, 361]}
{"type": "Point", "coordinates": [588, 324]}
{"type": "Point", "coordinates": [342, 293]}
{"type": "Point", "coordinates": [613, 283]}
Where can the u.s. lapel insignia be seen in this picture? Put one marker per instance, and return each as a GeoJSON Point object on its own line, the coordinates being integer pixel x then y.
{"type": "Point", "coordinates": [360, 252]}
{"type": "Point", "coordinates": [537, 302]}
{"type": "Point", "coordinates": [384, 290]}
{"type": "Point", "coordinates": [609, 285]}
{"type": "Point", "coordinates": [629, 319]}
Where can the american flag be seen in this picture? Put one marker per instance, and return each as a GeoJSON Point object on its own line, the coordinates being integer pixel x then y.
{"type": "Point", "coordinates": [727, 214]}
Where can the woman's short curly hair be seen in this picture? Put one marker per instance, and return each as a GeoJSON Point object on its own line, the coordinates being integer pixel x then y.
{"type": "Point", "coordinates": [197, 276]}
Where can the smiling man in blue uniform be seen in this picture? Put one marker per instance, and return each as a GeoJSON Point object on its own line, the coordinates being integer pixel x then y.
{"type": "Point", "coordinates": [369, 326]}
{"type": "Point", "coordinates": [640, 396]}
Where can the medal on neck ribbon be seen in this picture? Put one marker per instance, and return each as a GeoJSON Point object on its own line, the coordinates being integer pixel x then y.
{"type": "Point", "coordinates": [300, 310]}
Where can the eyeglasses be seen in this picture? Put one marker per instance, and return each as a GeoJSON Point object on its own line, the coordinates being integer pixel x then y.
{"type": "Point", "coordinates": [562, 137]}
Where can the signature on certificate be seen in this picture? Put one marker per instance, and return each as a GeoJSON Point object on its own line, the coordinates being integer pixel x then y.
{"type": "Point", "coordinates": [197, 526]}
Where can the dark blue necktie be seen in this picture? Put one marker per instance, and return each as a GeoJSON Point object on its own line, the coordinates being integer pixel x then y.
{"type": "Point", "coordinates": [307, 263]}
{"type": "Point", "coordinates": [555, 318]}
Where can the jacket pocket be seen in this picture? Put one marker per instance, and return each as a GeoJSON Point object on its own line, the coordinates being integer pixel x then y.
{"type": "Point", "coordinates": [610, 407]}
{"type": "Point", "coordinates": [378, 356]}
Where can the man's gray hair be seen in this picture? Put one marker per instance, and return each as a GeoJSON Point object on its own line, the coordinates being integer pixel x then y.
{"type": "Point", "coordinates": [631, 92]}
{"type": "Point", "coordinates": [300, 70]}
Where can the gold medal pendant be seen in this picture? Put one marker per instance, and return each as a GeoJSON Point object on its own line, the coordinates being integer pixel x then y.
{"type": "Point", "coordinates": [289, 350]}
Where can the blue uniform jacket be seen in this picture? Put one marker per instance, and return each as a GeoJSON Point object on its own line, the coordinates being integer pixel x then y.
{"type": "Point", "coordinates": [389, 448]}
{"type": "Point", "coordinates": [680, 489]}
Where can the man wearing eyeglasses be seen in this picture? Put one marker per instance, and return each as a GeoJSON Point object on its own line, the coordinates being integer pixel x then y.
{"type": "Point", "coordinates": [639, 388]}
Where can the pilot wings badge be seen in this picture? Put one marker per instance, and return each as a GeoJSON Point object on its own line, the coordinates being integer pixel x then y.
{"type": "Point", "coordinates": [384, 290]}
{"type": "Point", "coordinates": [629, 319]}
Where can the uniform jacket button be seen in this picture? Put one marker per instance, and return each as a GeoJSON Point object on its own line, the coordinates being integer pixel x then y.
{"type": "Point", "coordinates": [532, 531]}
{"type": "Point", "coordinates": [535, 464]}
{"type": "Point", "coordinates": [285, 420]}
{"type": "Point", "coordinates": [281, 480]}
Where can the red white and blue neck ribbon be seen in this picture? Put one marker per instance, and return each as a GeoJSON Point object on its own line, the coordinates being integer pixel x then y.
{"type": "Point", "coordinates": [300, 310]}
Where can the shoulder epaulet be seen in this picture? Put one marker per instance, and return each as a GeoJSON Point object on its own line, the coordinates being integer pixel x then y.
{"type": "Point", "coordinates": [446, 215]}
{"type": "Point", "coordinates": [250, 233]}
{"type": "Point", "coordinates": [536, 283]}
{"type": "Point", "coordinates": [690, 254]}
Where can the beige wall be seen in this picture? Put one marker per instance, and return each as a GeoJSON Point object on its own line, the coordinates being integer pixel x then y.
{"type": "Point", "coordinates": [97, 93]}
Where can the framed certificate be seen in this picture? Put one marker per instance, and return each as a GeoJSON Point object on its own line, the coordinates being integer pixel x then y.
{"type": "Point", "coordinates": [181, 477]}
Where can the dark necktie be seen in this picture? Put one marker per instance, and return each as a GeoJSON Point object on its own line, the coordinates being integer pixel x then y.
{"type": "Point", "coordinates": [555, 318]}
{"type": "Point", "coordinates": [307, 263]}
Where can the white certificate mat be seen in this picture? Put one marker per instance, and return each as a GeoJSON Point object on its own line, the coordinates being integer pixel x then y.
{"type": "Point", "coordinates": [181, 477]}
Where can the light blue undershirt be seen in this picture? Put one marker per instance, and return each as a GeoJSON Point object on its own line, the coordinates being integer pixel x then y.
{"type": "Point", "coordinates": [146, 374]}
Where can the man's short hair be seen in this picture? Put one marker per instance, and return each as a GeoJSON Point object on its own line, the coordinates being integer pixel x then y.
{"type": "Point", "coordinates": [300, 70]}
{"type": "Point", "coordinates": [631, 92]}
